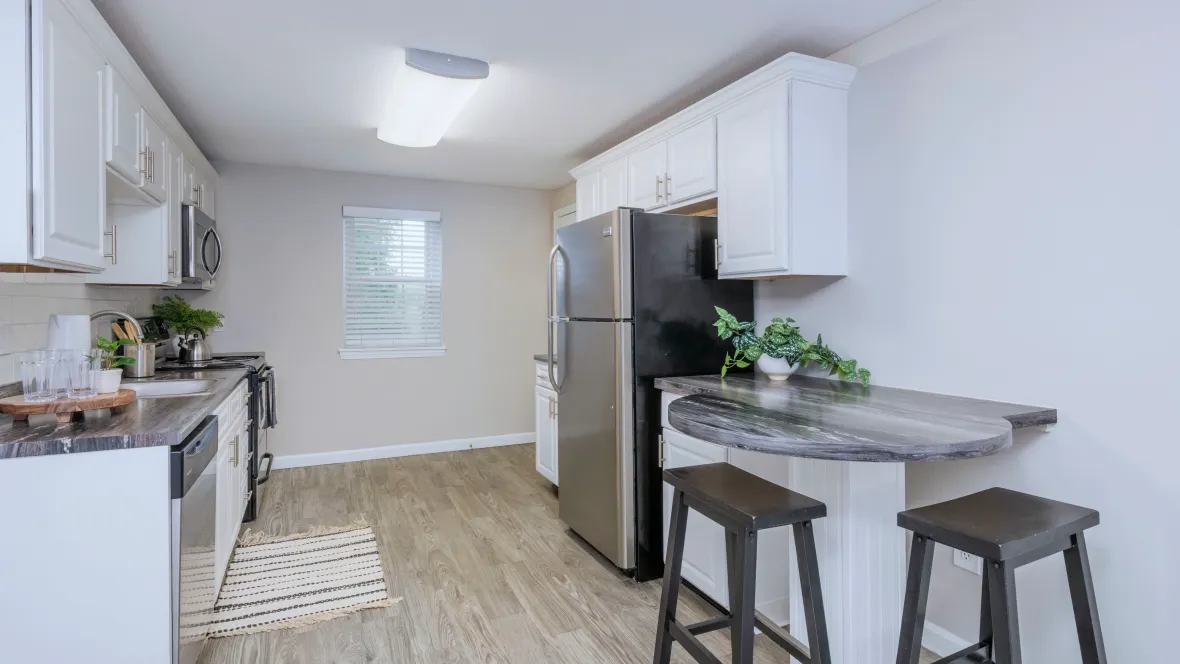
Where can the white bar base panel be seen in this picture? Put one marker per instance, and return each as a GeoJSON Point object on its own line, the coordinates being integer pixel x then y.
{"type": "Point", "coordinates": [861, 556]}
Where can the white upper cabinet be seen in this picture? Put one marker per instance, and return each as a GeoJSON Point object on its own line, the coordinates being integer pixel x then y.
{"type": "Point", "coordinates": [69, 194]}
{"type": "Point", "coordinates": [155, 147]}
{"type": "Point", "coordinates": [124, 144]}
{"type": "Point", "coordinates": [587, 195]}
{"type": "Point", "coordinates": [188, 181]}
{"type": "Point", "coordinates": [646, 171]}
{"type": "Point", "coordinates": [753, 169]}
{"type": "Point", "coordinates": [613, 185]}
{"type": "Point", "coordinates": [204, 191]}
{"type": "Point", "coordinates": [692, 162]}
{"type": "Point", "coordinates": [772, 149]}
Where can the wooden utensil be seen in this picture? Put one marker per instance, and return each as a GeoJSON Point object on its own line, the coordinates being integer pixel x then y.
{"type": "Point", "coordinates": [66, 409]}
{"type": "Point", "coordinates": [118, 330]}
{"type": "Point", "coordinates": [131, 333]}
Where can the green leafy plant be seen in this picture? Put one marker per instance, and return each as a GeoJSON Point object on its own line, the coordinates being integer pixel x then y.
{"type": "Point", "coordinates": [783, 340]}
{"type": "Point", "coordinates": [106, 353]}
{"type": "Point", "coordinates": [178, 315]}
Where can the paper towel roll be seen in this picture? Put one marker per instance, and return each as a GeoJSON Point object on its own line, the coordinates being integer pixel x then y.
{"type": "Point", "coordinates": [68, 332]}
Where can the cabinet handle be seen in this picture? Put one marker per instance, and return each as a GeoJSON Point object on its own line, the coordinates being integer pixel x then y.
{"type": "Point", "coordinates": [151, 171]}
{"type": "Point", "coordinates": [550, 400]}
{"type": "Point", "coordinates": [667, 188]}
{"type": "Point", "coordinates": [171, 263]}
{"type": "Point", "coordinates": [555, 407]}
{"type": "Point", "coordinates": [236, 451]}
{"type": "Point", "coordinates": [659, 181]}
{"type": "Point", "coordinates": [114, 235]}
{"type": "Point", "coordinates": [716, 254]}
{"type": "Point", "coordinates": [661, 451]}
{"type": "Point", "coordinates": [143, 170]}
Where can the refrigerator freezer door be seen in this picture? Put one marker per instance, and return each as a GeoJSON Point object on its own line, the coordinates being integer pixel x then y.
{"type": "Point", "coordinates": [596, 462]}
{"type": "Point", "coordinates": [594, 275]}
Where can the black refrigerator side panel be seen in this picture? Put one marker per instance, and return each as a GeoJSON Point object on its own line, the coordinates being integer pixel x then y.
{"type": "Point", "coordinates": [675, 288]}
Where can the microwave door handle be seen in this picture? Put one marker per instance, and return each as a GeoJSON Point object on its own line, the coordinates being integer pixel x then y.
{"type": "Point", "coordinates": [272, 413]}
{"type": "Point", "coordinates": [205, 241]}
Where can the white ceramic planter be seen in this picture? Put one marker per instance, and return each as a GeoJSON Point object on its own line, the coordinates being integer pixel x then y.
{"type": "Point", "coordinates": [109, 381]}
{"type": "Point", "coordinates": [776, 368]}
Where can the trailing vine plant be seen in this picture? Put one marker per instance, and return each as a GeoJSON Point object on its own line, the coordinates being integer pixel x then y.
{"type": "Point", "coordinates": [783, 340]}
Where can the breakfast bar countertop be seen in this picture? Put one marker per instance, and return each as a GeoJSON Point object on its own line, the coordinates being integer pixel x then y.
{"type": "Point", "coordinates": [819, 418]}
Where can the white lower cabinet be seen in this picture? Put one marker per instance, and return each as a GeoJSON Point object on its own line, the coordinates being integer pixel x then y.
{"type": "Point", "coordinates": [546, 423]}
{"type": "Point", "coordinates": [232, 481]}
{"type": "Point", "coordinates": [704, 541]}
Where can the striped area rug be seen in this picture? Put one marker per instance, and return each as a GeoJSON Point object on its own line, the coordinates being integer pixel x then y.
{"type": "Point", "coordinates": [299, 580]}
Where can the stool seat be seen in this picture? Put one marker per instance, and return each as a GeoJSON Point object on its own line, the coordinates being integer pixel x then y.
{"type": "Point", "coordinates": [725, 492]}
{"type": "Point", "coordinates": [1000, 524]}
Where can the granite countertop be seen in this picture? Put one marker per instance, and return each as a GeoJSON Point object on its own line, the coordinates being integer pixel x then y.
{"type": "Point", "coordinates": [819, 418]}
{"type": "Point", "coordinates": [146, 423]}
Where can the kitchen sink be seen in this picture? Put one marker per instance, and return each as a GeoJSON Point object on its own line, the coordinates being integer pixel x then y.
{"type": "Point", "coordinates": [154, 389]}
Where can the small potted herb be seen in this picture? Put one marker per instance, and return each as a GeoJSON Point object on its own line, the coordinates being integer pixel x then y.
{"type": "Point", "coordinates": [178, 315]}
{"type": "Point", "coordinates": [781, 350]}
{"type": "Point", "coordinates": [110, 376]}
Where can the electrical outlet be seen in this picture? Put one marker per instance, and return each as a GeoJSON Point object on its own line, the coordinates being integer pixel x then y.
{"type": "Point", "coordinates": [967, 561]}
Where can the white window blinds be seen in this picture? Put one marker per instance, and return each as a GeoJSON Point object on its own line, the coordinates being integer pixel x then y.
{"type": "Point", "coordinates": [392, 283]}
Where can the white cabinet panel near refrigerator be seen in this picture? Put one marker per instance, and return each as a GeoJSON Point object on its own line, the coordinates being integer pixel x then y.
{"type": "Point", "coordinates": [69, 192]}
{"type": "Point", "coordinates": [704, 563]}
{"type": "Point", "coordinates": [546, 423]}
{"type": "Point", "coordinates": [586, 195]}
{"type": "Point", "coordinates": [692, 162]}
{"type": "Point", "coordinates": [645, 176]}
{"type": "Point", "coordinates": [613, 185]}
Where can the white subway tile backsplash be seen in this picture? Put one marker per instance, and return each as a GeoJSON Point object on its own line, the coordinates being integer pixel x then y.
{"type": "Point", "coordinates": [5, 310]}
{"type": "Point", "coordinates": [8, 369]}
{"type": "Point", "coordinates": [7, 344]}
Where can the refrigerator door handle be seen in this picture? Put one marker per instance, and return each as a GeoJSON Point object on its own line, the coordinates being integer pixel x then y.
{"type": "Point", "coordinates": [552, 319]}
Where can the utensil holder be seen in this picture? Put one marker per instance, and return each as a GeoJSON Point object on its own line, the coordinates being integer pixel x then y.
{"type": "Point", "coordinates": [145, 360]}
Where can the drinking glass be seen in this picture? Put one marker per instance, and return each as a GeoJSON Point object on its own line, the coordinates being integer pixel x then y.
{"type": "Point", "coordinates": [39, 374]}
{"type": "Point", "coordinates": [81, 367]}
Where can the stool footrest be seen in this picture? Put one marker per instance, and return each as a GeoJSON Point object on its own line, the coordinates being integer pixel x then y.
{"type": "Point", "coordinates": [969, 654]}
{"type": "Point", "coordinates": [783, 638]}
{"type": "Point", "coordinates": [710, 625]}
{"type": "Point", "coordinates": [694, 647]}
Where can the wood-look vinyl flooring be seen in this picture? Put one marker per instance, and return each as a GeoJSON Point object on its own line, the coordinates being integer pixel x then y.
{"type": "Point", "coordinates": [488, 572]}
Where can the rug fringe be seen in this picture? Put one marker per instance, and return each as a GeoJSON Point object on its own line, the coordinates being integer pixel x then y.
{"type": "Point", "coordinates": [305, 622]}
{"type": "Point", "coordinates": [251, 538]}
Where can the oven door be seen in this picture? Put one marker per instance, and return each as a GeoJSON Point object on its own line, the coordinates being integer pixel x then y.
{"type": "Point", "coordinates": [201, 248]}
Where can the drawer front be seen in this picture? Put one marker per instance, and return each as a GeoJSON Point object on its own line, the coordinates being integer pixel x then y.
{"type": "Point", "coordinates": [665, 399]}
{"type": "Point", "coordinates": [543, 375]}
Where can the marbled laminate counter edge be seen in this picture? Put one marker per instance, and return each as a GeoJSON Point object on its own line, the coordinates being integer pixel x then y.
{"type": "Point", "coordinates": [146, 423]}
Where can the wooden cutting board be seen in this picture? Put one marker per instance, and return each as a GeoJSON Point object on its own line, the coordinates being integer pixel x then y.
{"type": "Point", "coordinates": [65, 409]}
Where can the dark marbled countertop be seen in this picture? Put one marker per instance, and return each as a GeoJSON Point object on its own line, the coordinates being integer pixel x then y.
{"type": "Point", "coordinates": [826, 419]}
{"type": "Point", "coordinates": [146, 423]}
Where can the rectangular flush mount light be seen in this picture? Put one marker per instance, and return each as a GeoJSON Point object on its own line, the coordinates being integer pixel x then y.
{"type": "Point", "coordinates": [428, 93]}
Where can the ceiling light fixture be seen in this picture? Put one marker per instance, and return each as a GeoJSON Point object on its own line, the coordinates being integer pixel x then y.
{"type": "Point", "coordinates": [427, 94]}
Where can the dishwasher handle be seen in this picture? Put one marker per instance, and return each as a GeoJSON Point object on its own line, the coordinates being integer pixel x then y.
{"type": "Point", "coordinates": [189, 459]}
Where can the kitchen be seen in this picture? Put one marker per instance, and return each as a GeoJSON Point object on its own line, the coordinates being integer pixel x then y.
{"type": "Point", "coordinates": [925, 186]}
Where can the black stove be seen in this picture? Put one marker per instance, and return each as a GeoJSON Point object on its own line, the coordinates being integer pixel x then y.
{"type": "Point", "coordinates": [263, 410]}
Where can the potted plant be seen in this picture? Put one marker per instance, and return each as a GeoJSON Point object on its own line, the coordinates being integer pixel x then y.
{"type": "Point", "coordinates": [178, 316]}
{"type": "Point", "coordinates": [110, 376]}
{"type": "Point", "coordinates": [781, 350]}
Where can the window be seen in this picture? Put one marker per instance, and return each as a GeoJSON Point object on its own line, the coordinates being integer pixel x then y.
{"type": "Point", "coordinates": [392, 283]}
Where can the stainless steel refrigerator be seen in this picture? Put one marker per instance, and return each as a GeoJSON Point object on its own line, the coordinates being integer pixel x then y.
{"type": "Point", "coordinates": [630, 299]}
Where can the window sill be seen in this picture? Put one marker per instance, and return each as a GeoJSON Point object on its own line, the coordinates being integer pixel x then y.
{"type": "Point", "coordinates": [390, 353]}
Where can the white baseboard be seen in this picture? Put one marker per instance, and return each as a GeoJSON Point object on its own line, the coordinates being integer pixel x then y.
{"type": "Point", "coordinates": [409, 449]}
{"type": "Point", "coordinates": [940, 641]}
{"type": "Point", "coordinates": [776, 610]}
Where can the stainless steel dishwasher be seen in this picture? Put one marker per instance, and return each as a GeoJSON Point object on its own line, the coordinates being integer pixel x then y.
{"type": "Point", "coordinates": [194, 524]}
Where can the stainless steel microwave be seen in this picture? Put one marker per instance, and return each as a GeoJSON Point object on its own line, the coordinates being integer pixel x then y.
{"type": "Point", "coordinates": [200, 246]}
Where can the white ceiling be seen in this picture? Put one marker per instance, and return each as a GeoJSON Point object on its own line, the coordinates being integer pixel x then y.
{"type": "Point", "coordinates": [303, 82]}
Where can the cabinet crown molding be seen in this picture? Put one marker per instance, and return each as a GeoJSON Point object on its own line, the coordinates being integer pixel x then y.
{"type": "Point", "coordinates": [792, 66]}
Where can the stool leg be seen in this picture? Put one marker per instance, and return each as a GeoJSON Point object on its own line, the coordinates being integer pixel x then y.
{"type": "Point", "coordinates": [813, 598]}
{"type": "Point", "coordinates": [671, 591]}
{"type": "Point", "coordinates": [985, 613]}
{"type": "Point", "coordinates": [742, 561]}
{"type": "Point", "coordinates": [917, 591]}
{"type": "Point", "coordinates": [1005, 628]}
{"type": "Point", "coordinates": [1085, 606]}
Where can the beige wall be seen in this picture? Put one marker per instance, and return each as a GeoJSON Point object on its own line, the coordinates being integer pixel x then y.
{"type": "Point", "coordinates": [564, 196]}
{"type": "Point", "coordinates": [1013, 223]}
{"type": "Point", "coordinates": [281, 293]}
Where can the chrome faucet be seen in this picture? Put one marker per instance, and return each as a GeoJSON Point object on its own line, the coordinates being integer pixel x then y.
{"type": "Point", "coordinates": [111, 312]}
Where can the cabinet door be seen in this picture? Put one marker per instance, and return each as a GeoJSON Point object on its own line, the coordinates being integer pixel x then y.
{"type": "Point", "coordinates": [704, 540]}
{"type": "Point", "coordinates": [69, 182]}
{"type": "Point", "coordinates": [124, 146]}
{"type": "Point", "coordinates": [188, 183]}
{"type": "Point", "coordinates": [155, 142]}
{"type": "Point", "coordinates": [588, 195]}
{"type": "Point", "coordinates": [176, 184]}
{"type": "Point", "coordinates": [224, 535]}
{"type": "Point", "coordinates": [546, 440]}
{"type": "Point", "coordinates": [646, 170]}
{"type": "Point", "coordinates": [613, 185]}
{"type": "Point", "coordinates": [692, 162]}
{"type": "Point", "coordinates": [204, 190]}
{"type": "Point", "coordinates": [752, 183]}
{"type": "Point", "coordinates": [553, 437]}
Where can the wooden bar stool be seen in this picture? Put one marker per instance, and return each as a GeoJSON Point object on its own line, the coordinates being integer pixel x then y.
{"type": "Point", "coordinates": [1007, 529]}
{"type": "Point", "coordinates": [743, 504]}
